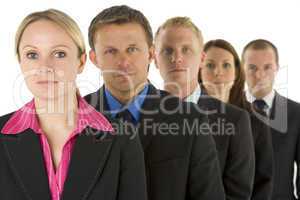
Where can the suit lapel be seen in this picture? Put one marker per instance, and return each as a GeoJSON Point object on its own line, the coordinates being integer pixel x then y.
{"type": "Point", "coordinates": [25, 157]}
{"type": "Point", "coordinates": [88, 160]}
{"type": "Point", "coordinates": [279, 114]}
{"type": "Point", "coordinates": [150, 114]}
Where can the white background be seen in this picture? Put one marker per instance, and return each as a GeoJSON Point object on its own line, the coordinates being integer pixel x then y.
{"type": "Point", "coordinates": [236, 21]}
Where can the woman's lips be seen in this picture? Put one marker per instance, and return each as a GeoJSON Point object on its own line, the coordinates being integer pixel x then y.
{"type": "Point", "coordinates": [46, 82]}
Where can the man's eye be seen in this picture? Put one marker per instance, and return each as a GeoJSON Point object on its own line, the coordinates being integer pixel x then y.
{"type": "Point", "coordinates": [132, 49]}
{"type": "Point", "coordinates": [60, 54]}
{"type": "Point", "coordinates": [32, 55]}
{"type": "Point", "coordinates": [268, 67]}
{"type": "Point", "coordinates": [185, 50]}
{"type": "Point", "coordinates": [110, 51]}
{"type": "Point", "coordinates": [168, 51]}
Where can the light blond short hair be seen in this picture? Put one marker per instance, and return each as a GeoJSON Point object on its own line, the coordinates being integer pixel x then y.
{"type": "Point", "coordinates": [185, 22]}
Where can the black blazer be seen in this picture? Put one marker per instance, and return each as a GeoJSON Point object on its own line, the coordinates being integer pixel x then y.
{"type": "Point", "coordinates": [235, 146]}
{"type": "Point", "coordinates": [181, 158]}
{"type": "Point", "coordinates": [102, 166]}
{"type": "Point", "coordinates": [264, 161]}
{"type": "Point", "coordinates": [285, 129]}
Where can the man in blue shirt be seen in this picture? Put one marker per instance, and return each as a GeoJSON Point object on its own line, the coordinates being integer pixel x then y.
{"type": "Point", "coordinates": [180, 155]}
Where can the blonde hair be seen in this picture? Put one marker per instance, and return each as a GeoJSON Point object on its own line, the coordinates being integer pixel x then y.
{"type": "Point", "coordinates": [57, 17]}
{"type": "Point", "coordinates": [185, 22]}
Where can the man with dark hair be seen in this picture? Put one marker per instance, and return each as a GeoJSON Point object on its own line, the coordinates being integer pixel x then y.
{"type": "Point", "coordinates": [261, 62]}
{"type": "Point", "coordinates": [180, 154]}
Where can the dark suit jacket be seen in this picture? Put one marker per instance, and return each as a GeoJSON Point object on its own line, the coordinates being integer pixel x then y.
{"type": "Point", "coordinates": [234, 141]}
{"type": "Point", "coordinates": [264, 161]}
{"type": "Point", "coordinates": [181, 159]}
{"type": "Point", "coordinates": [103, 166]}
{"type": "Point", "coordinates": [285, 129]}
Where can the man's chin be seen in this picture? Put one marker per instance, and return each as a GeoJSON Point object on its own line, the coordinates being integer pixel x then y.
{"type": "Point", "coordinates": [260, 93]}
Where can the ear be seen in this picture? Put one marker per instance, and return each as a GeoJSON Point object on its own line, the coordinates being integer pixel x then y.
{"type": "Point", "coordinates": [92, 56]}
{"type": "Point", "coordinates": [155, 59]}
{"type": "Point", "coordinates": [151, 53]}
{"type": "Point", "coordinates": [277, 67]}
{"type": "Point", "coordinates": [82, 63]}
{"type": "Point", "coordinates": [203, 56]}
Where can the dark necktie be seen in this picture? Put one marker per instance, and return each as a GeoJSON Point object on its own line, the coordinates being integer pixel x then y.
{"type": "Point", "coordinates": [260, 106]}
{"type": "Point", "coordinates": [126, 116]}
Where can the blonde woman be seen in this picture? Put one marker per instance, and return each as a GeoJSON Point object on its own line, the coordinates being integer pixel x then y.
{"type": "Point", "coordinates": [57, 146]}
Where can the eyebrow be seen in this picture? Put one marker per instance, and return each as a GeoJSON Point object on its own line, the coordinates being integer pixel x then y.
{"type": "Point", "coordinates": [268, 64]}
{"type": "Point", "coordinates": [29, 46]}
{"type": "Point", "coordinates": [56, 46]}
{"type": "Point", "coordinates": [61, 45]}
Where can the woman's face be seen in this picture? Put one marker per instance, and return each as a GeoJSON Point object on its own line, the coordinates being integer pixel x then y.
{"type": "Point", "coordinates": [218, 72]}
{"type": "Point", "coordinates": [49, 60]}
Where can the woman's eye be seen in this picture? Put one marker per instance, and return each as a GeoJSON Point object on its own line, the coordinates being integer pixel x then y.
{"type": "Point", "coordinates": [252, 67]}
{"type": "Point", "coordinates": [210, 65]}
{"type": "Point", "coordinates": [32, 55]}
{"type": "Point", "coordinates": [226, 65]}
{"type": "Point", "coordinates": [60, 54]}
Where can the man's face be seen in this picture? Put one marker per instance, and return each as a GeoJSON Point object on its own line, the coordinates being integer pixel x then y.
{"type": "Point", "coordinates": [178, 55]}
{"type": "Point", "coordinates": [123, 55]}
{"type": "Point", "coordinates": [260, 70]}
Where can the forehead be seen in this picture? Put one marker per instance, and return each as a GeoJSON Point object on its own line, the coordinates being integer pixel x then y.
{"type": "Point", "coordinates": [116, 34]}
{"type": "Point", "coordinates": [216, 53]}
{"type": "Point", "coordinates": [45, 32]}
{"type": "Point", "coordinates": [177, 36]}
{"type": "Point", "coordinates": [260, 56]}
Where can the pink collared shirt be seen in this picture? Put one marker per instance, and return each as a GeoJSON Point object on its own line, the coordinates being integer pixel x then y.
{"type": "Point", "coordinates": [26, 118]}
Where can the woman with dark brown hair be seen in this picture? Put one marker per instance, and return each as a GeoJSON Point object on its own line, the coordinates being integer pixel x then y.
{"type": "Point", "coordinates": [222, 77]}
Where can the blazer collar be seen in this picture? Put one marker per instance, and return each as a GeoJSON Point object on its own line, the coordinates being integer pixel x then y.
{"type": "Point", "coordinates": [87, 162]}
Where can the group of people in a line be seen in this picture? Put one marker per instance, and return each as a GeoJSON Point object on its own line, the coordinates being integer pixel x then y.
{"type": "Point", "coordinates": [204, 137]}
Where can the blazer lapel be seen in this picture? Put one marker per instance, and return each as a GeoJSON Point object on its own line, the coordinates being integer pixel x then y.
{"type": "Point", "coordinates": [279, 114]}
{"type": "Point", "coordinates": [150, 112]}
{"type": "Point", "coordinates": [25, 157]}
{"type": "Point", "coordinates": [88, 160]}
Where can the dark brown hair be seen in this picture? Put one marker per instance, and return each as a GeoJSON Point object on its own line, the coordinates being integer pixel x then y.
{"type": "Point", "coordinates": [237, 94]}
{"type": "Point", "coordinates": [119, 15]}
{"type": "Point", "coordinates": [260, 44]}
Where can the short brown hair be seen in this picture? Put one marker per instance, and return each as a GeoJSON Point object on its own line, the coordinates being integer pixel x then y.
{"type": "Point", "coordinates": [237, 96]}
{"type": "Point", "coordinates": [119, 15]}
{"type": "Point", "coordinates": [185, 22]}
{"type": "Point", "coordinates": [261, 44]}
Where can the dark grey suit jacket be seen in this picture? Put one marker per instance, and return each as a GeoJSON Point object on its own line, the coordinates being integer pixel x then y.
{"type": "Point", "coordinates": [234, 141]}
{"type": "Point", "coordinates": [180, 156]}
{"type": "Point", "coordinates": [285, 129]}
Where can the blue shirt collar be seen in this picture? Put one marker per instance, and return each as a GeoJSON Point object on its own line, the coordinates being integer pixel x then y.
{"type": "Point", "coordinates": [133, 107]}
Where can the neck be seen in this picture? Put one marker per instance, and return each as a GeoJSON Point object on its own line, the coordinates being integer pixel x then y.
{"type": "Point", "coordinates": [260, 94]}
{"type": "Point", "coordinates": [181, 90]}
{"type": "Point", "coordinates": [221, 94]}
{"type": "Point", "coordinates": [57, 114]}
{"type": "Point", "coordinates": [125, 97]}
